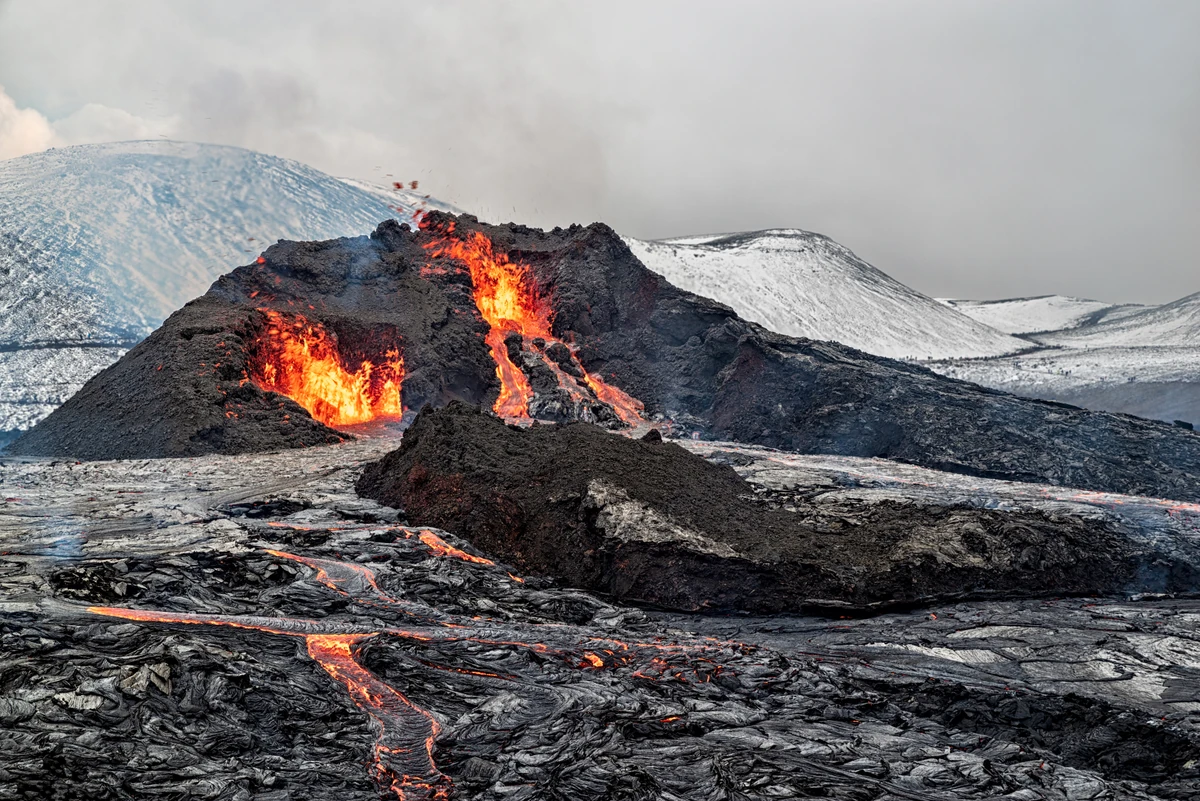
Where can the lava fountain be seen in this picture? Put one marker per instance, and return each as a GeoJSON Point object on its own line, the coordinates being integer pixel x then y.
{"type": "Point", "coordinates": [300, 359]}
{"type": "Point", "coordinates": [510, 301]}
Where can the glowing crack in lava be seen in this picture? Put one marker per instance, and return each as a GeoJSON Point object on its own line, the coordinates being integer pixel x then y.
{"type": "Point", "coordinates": [403, 752]}
{"type": "Point", "coordinates": [299, 358]}
{"type": "Point", "coordinates": [405, 733]}
{"type": "Point", "coordinates": [509, 302]}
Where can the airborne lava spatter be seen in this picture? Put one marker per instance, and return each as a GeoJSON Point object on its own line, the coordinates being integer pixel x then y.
{"type": "Point", "coordinates": [510, 302]}
{"type": "Point", "coordinates": [299, 358]}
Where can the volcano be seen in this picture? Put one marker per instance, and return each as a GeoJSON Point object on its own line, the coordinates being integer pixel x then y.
{"type": "Point", "coordinates": [557, 326]}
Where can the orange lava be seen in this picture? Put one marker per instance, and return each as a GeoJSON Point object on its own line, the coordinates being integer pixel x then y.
{"type": "Point", "coordinates": [335, 653]}
{"type": "Point", "coordinates": [405, 733]}
{"type": "Point", "coordinates": [627, 407]}
{"type": "Point", "coordinates": [510, 302]}
{"type": "Point", "coordinates": [300, 359]}
{"type": "Point", "coordinates": [442, 548]}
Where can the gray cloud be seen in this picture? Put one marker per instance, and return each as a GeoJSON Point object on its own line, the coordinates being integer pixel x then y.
{"type": "Point", "coordinates": [984, 149]}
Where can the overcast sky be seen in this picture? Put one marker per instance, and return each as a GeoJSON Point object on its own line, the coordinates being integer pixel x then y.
{"type": "Point", "coordinates": [970, 149]}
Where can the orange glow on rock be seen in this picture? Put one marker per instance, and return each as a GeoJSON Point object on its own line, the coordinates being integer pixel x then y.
{"type": "Point", "coordinates": [509, 301]}
{"type": "Point", "coordinates": [300, 359]}
{"type": "Point", "coordinates": [442, 548]}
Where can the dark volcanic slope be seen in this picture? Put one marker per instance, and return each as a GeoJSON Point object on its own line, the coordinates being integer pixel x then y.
{"type": "Point", "coordinates": [648, 521]}
{"type": "Point", "coordinates": [688, 359]}
{"type": "Point", "coordinates": [182, 392]}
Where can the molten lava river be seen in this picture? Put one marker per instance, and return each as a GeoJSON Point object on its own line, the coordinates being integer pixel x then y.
{"type": "Point", "coordinates": [510, 303]}
{"type": "Point", "coordinates": [246, 627]}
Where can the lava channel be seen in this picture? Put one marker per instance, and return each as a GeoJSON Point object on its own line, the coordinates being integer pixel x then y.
{"type": "Point", "coordinates": [509, 302]}
{"type": "Point", "coordinates": [403, 753]}
{"type": "Point", "coordinates": [405, 733]}
{"type": "Point", "coordinates": [300, 359]}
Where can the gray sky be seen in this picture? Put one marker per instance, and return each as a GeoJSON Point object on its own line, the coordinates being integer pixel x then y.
{"type": "Point", "coordinates": [971, 149]}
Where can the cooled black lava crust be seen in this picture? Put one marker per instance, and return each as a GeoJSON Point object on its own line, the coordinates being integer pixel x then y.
{"type": "Point", "coordinates": [648, 521]}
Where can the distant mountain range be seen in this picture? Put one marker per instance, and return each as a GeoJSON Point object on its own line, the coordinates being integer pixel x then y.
{"type": "Point", "coordinates": [99, 243]}
{"type": "Point", "coordinates": [1142, 360]}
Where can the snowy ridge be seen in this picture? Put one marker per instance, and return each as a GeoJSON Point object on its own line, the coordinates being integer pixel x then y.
{"type": "Point", "coordinates": [99, 243]}
{"type": "Point", "coordinates": [1040, 314]}
{"type": "Point", "coordinates": [1122, 358]}
{"type": "Point", "coordinates": [1175, 324]}
{"type": "Point", "coordinates": [805, 284]}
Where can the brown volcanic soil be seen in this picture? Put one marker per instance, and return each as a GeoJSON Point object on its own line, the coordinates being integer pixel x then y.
{"type": "Point", "coordinates": [647, 521]}
{"type": "Point", "coordinates": [690, 360]}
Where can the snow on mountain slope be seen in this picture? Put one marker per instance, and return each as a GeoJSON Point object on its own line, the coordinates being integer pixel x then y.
{"type": "Point", "coordinates": [805, 284]}
{"type": "Point", "coordinates": [1157, 382]}
{"type": "Point", "coordinates": [1173, 324]}
{"type": "Point", "coordinates": [1035, 315]}
{"type": "Point", "coordinates": [1142, 360]}
{"type": "Point", "coordinates": [99, 243]}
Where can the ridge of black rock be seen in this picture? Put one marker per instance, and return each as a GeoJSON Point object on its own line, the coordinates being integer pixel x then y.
{"type": "Point", "coordinates": [648, 521]}
{"type": "Point", "coordinates": [690, 360]}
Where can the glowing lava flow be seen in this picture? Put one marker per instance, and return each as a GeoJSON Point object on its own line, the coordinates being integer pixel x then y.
{"type": "Point", "coordinates": [509, 302]}
{"type": "Point", "coordinates": [442, 548]}
{"type": "Point", "coordinates": [405, 734]}
{"type": "Point", "coordinates": [297, 358]}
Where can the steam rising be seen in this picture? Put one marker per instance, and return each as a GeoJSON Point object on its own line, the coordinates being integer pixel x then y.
{"type": "Point", "coordinates": [979, 150]}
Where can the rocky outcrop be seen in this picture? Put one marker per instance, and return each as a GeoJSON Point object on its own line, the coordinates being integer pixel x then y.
{"type": "Point", "coordinates": [647, 521]}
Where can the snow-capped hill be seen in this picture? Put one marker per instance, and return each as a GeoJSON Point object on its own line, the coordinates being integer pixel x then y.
{"type": "Point", "coordinates": [1175, 324]}
{"type": "Point", "coordinates": [805, 284]}
{"type": "Point", "coordinates": [1142, 360]}
{"type": "Point", "coordinates": [1039, 314]}
{"type": "Point", "coordinates": [99, 243]}
{"type": "Point", "coordinates": [104, 241]}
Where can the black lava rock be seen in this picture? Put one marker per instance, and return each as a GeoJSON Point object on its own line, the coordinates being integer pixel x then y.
{"type": "Point", "coordinates": [648, 521]}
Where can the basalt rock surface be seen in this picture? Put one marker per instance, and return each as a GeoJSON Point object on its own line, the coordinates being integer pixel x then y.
{"type": "Point", "coordinates": [647, 521]}
{"type": "Point", "coordinates": [694, 364]}
{"type": "Point", "coordinates": [229, 581]}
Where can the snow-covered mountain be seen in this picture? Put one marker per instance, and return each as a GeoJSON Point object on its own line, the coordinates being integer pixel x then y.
{"type": "Point", "coordinates": [1142, 360]}
{"type": "Point", "coordinates": [99, 243]}
{"type": "Point", "coordinates": [1040, 314]}
{"type": "Point", "coordinates": [805, 284]}
{"type": "Point", "coordinates": [1175, 324]}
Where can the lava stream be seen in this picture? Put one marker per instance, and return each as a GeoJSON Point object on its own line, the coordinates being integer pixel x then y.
{"type": "Point", "coordinates": [406, 732]}
{"type": "Point", "coordinates": [509, 302]}
{"type": "Point", "coordinates": [300, 359]}
{"type": "Point", "coordinates": [403, 751]}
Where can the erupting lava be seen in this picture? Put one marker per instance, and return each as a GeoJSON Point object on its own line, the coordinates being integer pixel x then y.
{"type": "Point", "coordinates": [509, 302]}
{"type": "Point", "coordinates": [298, 358]}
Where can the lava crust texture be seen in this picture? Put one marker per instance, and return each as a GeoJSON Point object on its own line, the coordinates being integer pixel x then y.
{"type": "Point", "coordinates": [691, 363]}
{"type": "Point", "coordinates": [243, 628]}
{"type": "Point", "coordinates": [647, 521]}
